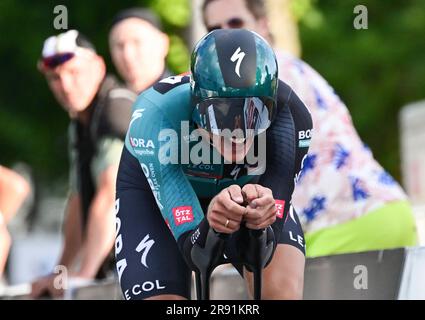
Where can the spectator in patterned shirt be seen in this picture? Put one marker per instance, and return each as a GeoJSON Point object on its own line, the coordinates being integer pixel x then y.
{"type": "Point", "coordinates": [346, 201]}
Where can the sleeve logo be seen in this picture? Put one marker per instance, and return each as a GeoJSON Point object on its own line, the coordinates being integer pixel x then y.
{"type": "Point", "coordinates": [182, 215]}
{"type": "Point", "coordinates": [280, 206]}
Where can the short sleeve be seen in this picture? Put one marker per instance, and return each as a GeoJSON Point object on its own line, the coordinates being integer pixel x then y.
{"type": "Point", "coordinates": [108, 154]}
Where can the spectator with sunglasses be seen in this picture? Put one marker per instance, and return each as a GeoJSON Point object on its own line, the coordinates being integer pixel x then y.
{"type": "Point", "coordinates": [99, 110]}
{"type": "Point", "coordinates": [346, 201]}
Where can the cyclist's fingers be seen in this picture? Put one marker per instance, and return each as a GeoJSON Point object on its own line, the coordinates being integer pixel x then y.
{"type": "Point", "coordinates": [232, 225]}
{"type": "Point", "coordinates": [252, 215]}
{"type": "Point", "coordinates": [235, 213]}
{"type": "Point", "coordinates": [250, 192]}
{"type": "Point", "coordinates": [258, 215]}
{"type": "Point", "coordinates": [224, 207]}
{"type": "Point", "coordinates": [265, 200]}
{"type": "Point", "coordinates": [263, 191]}
{"type": "Point", "coordinates": [230, 207]}
{"type": "Point", "coordinates": [235, 217]}
{"type": "Point", "coordinates": [225, 225]}
{"type": "Point", "coordinates": [262, 225]}
{"type": "Point", "coordinates": [235, 193]}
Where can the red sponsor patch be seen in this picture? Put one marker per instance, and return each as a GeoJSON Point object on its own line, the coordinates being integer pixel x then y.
{"type": "Point", "coordinates": [182, 215]}
{"type": "Point", "coordinates": [280, 206]}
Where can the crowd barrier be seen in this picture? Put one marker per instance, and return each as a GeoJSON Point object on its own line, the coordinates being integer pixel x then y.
{"type": "Point", "coordinates": [378, 275]}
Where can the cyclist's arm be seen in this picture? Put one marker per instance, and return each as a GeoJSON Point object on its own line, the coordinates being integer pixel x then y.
{"type": "Point", "coordinates": [286, 151]}
{"type": "Point", "coordinates": [152, 138]}
{"type": "Point", "coordinates": [303, 125]}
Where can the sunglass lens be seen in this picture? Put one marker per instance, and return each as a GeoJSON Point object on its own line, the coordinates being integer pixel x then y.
{"type": "Point", "coordinates": [54, 61]}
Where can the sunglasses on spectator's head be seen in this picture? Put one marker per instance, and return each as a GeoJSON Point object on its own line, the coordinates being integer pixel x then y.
{"type": "Point", "coordinates": [233, 23]}
{"type": "Point", "coordinates": [57, 59]}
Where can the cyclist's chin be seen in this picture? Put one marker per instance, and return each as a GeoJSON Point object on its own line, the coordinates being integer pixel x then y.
{"type": "Point", "coordinates": [234, 156]}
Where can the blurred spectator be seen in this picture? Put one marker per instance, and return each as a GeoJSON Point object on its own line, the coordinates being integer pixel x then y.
{"type": "Point", "coordinates": [138, 48]}
{"type": "Point", "coordinates": [14, 189]}
{"type": "Point", "coordinates": [346, 201]}
{"type": "Point", "coordinates": [99, 110]}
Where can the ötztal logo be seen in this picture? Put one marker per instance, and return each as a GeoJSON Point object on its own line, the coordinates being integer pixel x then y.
{"type": "Point", "coordinates": [182, 215]}
{"type": "Point", "coordinates": [280, 206]}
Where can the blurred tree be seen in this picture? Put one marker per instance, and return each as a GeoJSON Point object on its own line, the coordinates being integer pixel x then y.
{"type": "Point", "coordinates": [375, 71]}
{"type": "Point", "coordinates": [32, 125]}
{"type": "Point", "coordinates": [283, 25]}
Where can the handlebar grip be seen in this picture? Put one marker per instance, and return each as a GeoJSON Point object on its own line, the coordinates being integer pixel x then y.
{"type": "Point", "coordinates": [257, 247]}
{"type": "Point", "coordinates": [209, 256]}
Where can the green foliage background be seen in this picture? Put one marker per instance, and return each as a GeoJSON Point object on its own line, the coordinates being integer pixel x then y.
{"type": "Point", "coordinates": [375, 71]}
{"type": "Point", "coordinates": [32, 124]}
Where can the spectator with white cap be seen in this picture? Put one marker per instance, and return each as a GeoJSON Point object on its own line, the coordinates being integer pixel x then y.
{"type": "Point", "coordinates": [99, 110]}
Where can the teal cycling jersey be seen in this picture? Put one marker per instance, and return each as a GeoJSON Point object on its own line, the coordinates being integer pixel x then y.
{"type": "Point", "coordinates": [162, 137]}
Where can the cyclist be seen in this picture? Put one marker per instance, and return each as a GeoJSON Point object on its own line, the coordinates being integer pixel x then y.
{"type": "Point", "coordinates": [233, 104]}
{"type": "Point", "coordinates": [343, 193]}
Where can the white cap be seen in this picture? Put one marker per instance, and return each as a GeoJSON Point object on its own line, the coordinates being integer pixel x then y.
{"type": "Point", "coordinates": [62, 43]}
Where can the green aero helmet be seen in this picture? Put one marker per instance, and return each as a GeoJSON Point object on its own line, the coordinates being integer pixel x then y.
{"type": "Point", "coordinates": [234, 82]}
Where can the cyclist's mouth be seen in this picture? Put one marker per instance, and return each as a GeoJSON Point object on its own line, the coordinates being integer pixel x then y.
{"type": "Point", "coordinates": [231, 148]}
{"type": "Point", "coordinates": [237, 141]}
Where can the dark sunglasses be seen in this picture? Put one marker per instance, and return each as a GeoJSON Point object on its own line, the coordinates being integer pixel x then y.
{"type": "Point", "coordinates": [56, 60]}
{"type": "Point", "coordinates": [233, 23]}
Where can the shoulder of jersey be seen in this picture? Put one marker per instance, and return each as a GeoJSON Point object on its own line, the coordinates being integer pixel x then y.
{"type": "Point", "coordinates": [283, 90]}
{"type": "Point", "coordinates": [171, 89]}
{"type": "Point", "coordinates": [171, 96]}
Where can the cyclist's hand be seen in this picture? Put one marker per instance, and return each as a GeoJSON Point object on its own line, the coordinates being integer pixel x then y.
{"type": "Point", "coordinates": [226, 210]}
{"type": "Point", "coordinates": [261, 208]}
